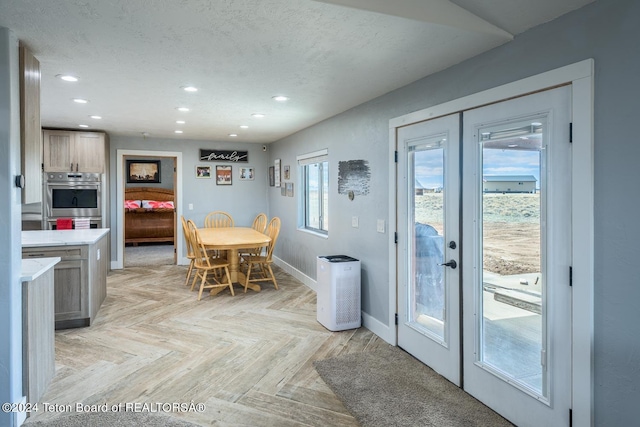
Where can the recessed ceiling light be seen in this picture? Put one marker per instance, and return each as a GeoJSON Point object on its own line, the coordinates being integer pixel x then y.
{"type": "Point", "coordinates": [512, 145]}
{"type": "Point", "coordinates": [83, 126]}
{"type": "Point", "coordinates": [96, 117]}
{"type": "Point", "coordinates": [233, 134]}
{"type": "Point", "coordinates": [67, 78]}
{"type": "Point", "coordinates": [258, 115]}
{"type": "Point", "coordinates": [189, 89]}
{"type": "Point", "coordinates": [536, 124]}
{"type": "Point", "coordinates": [80, 100]}
{"type": "Point", "coordinates": [244, 127]}
{"type": "Point", "coordinates": [180, 122]}
{"type": "Point", "coordinates": [280, 98]}
{"type": "Point", "coordinates": [182, 109]}
{"type": "Point", "coordinates": [177, 131]}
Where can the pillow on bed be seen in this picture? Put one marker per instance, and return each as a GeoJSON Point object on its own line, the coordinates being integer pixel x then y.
{"type": "Point", "coordinates": [131, 204]}
{"type": "Point", "coordinates": [155, 204]}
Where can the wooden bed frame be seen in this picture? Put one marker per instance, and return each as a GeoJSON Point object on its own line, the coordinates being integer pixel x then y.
{"type": "Point", "coordinates": [143, 225]}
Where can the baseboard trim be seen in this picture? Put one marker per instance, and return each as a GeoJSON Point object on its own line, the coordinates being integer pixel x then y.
{"type": "Point", "coordinates": [378, 328]}
{"type": "Point", "coordinates": [312, 284]}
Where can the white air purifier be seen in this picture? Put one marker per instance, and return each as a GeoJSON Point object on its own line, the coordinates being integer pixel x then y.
{"type": "Point", "coordinates": [338, 298]}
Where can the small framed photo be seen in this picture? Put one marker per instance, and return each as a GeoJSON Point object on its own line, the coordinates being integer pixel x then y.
{"type": "Point", "coordinates": [272, 177]}
{"type": "Point", "coordinates": [223, 175]}
{"type": "Point", "coordinates": [283, 191]}
{"type": "Point", "coordinates": [247, 173]}
{"type": "Point", "coordinates": [289, 187]}
{"type": "Point", "coordinates": [203, 171]}
{"type": "Point", "coordinates": [286, 172]}
{"type": "Point", "coordinates": [276, 166]}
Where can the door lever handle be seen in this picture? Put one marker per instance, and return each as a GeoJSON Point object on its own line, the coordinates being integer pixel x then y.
{"type": "Point", "coordinates": [453, 264]}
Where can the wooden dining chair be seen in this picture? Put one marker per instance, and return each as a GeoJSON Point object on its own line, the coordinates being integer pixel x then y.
{"type": "Point", "coordinates": [191, 254]}
{"type": "Point", "coordinates": [261, 264]}
{"type": "Point", "coordinates": [218, 219]}
{"type": "Point", "coordinates": [259, 224]}
{"type": "Point", "coordinates": [204, 264]}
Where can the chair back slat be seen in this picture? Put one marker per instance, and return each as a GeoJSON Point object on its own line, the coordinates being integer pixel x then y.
{"type": "Point", "coordinates": [187, 239]}
{"type": "Point", "coordinates": [218, 219]}
{"type": "Point", "coordinates": [260, 222]}
{"type": "Point", "coordinates": [200, 251]}
{"type": "Point", "coordinates": [273, 230]}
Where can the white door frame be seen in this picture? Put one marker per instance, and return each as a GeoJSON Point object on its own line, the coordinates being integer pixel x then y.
{"type": "Point", "coordinates": [118, 263]}
{"type": "Point", "coordinates": [581, 76]}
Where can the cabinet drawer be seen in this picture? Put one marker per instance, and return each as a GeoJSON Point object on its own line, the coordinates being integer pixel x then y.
{"type": "Point", "coordinates": [71, 252]}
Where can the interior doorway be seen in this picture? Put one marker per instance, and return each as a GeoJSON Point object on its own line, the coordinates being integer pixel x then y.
{"type": "Point", "coordinates": [121, 174]}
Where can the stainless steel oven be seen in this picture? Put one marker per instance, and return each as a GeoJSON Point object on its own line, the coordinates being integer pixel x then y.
{"type": "Point", "coordinates": [72, 195]}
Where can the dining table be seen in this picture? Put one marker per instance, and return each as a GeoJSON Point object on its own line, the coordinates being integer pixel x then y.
{"type": "Point", "coordinates": [232, 239]}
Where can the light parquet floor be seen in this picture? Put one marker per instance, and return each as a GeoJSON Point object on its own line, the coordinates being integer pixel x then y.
{"type": "Point", "coordinates": [248, 358]}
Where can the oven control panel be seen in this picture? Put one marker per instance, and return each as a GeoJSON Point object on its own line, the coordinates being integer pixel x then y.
{"type": "Point", "coordinates": [72, 177]}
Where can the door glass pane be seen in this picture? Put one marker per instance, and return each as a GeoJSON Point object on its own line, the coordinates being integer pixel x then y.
{"type": "Point", "coordinates": [427, 294]}
{"type": "Point", "coordinates": [512, 328]}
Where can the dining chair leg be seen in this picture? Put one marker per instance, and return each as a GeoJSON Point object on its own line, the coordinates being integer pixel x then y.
{"type": "Point", "coordinates": [204, 280]}
{"type": "Point", "coordinates": [246, 282]}
{"type": "Point", "coordinates": [189, 271]}
{"type": "Point", "coordinates": [273, 276]}
{"type": "Point", "coordinates": [226, 270]}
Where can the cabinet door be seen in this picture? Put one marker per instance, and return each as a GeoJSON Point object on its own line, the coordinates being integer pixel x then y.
{"type": "Point", "coordinates": [58, 146]}
{"type": "Point", "coordinates": [69, 288]}
{"type": "Point", "coordinates": [89, 151]}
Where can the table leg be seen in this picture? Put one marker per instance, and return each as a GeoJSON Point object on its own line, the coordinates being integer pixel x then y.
{"type": "Point", "coordinates": [237, 276]}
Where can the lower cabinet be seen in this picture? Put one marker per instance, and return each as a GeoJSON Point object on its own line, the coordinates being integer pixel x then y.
{"type": "Point", "coordinates": [79, 281]}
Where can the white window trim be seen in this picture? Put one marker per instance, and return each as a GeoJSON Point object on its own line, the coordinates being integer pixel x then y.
{"type": "Point", "coordinates": [303, 160]}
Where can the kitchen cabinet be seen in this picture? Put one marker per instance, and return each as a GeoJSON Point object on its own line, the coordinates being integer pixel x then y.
{"type": "Point", "coordinates": [38, 338]}
{"type": "Point", "coordinates": [80, 278]}
{"type": "Point", "coordinates": [70, 151]}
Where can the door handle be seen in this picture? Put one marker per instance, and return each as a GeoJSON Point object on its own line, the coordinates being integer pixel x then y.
{"type": "Point", "coordinates": [453, 264]}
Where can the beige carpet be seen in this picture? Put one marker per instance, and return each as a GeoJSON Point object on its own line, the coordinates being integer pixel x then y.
{"type": "Point", "coordinates": [388, 387]}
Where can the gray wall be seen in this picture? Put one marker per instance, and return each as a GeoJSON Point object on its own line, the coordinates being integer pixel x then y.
{"type": "Point", "coordinates": [606, 31]}
{"type": "Point", "coordinates": [11, 253]}
{"type": "Point", "coordinates": [243, 199]}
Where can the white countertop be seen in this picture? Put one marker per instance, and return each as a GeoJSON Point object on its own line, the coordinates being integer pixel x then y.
{"type": "Point", "coordinates": [34, 267]}
{"type": "Point", "coordinates": [38, 238]}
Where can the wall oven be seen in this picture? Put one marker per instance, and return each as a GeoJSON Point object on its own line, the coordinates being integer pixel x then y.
{"type": "Point", "coordinates": [72, 195]}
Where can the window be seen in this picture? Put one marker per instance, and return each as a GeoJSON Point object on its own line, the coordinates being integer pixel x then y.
{"type": "Point", "coordinates": [314, 203]}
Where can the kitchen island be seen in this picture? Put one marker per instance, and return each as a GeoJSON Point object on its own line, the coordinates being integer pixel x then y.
{"type": "Point", "coordinates": [80, 278]}
{"type": "Point", "coordinates": [38, 348]}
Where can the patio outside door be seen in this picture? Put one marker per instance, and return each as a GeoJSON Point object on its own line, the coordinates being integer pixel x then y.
{"type": "Point", "coordinates": [510, 344]}
{"type": "Point", "coordinates": [517, 257]}
{"type": "Point", "coordinates": [428, 224]}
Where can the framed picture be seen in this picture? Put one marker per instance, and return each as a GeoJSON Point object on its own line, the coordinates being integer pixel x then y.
{"type": "Point", "coordinates": [223, 175]}
{"type": "Point", "coordinates": [246, 174]}
{"type": "Point", "coordinates": [203, 171]}
{"type": "Point", "coordinates": [143, 171]}
{"type": "Point", "coordinates": [277, 172]}
{"type": "Point", "coordinates": [289, 187]}
{"type": "Point", "coordinates": [272, 178]}
{"type": "Point", "coordinates": [283, 191]}
{"type": "Point", "coordinates": [286, 172]}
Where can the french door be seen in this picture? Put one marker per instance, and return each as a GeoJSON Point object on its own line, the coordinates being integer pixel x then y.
{"type": "Point", "coordinates": [429, 290]}
{"type": "Point", "coordinates": [495, 199]}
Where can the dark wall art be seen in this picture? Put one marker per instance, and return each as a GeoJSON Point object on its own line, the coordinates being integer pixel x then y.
{"type": "Point", "coordinates": [354, 175]}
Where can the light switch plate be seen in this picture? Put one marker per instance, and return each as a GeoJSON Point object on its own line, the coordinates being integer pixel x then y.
{"type": "Point", "coordinates": [354, 221]}
{"type": "Point", "coordinates": [380, 226]}
{"type": "Point", "coordinates": [190, 206]}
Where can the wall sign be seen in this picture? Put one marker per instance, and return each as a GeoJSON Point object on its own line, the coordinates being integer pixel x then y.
{"type": "Point", "coordinates": [354, 177]}
{"type": "Point", "coordinates": [224, 156]}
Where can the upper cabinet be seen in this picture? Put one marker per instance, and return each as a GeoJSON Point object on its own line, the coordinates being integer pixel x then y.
{"type": "Point", "coordinates": [30, 132]}
{"type": "Point", "coordinates": [69, 151]}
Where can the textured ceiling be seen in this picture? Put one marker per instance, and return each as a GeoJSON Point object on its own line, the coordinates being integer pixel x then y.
{"type": "Point", "coordinates": [133, 56]}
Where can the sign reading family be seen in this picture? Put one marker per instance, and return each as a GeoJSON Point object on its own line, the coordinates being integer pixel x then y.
{"type": "Point", "coordinates": [224, 156]}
